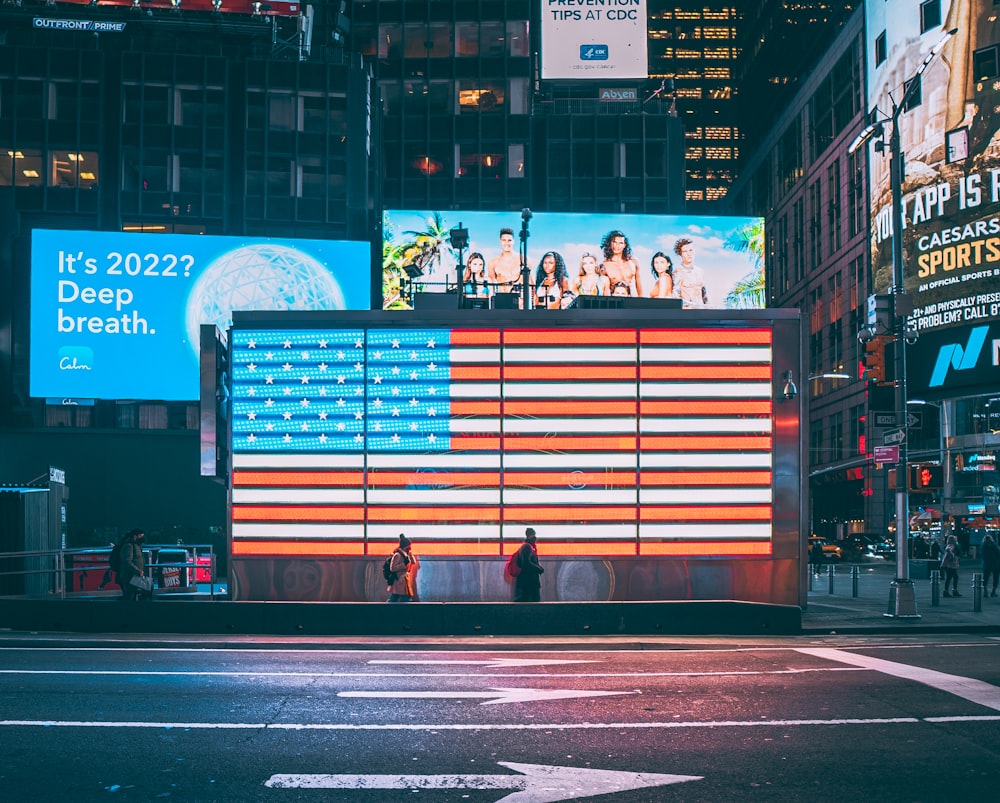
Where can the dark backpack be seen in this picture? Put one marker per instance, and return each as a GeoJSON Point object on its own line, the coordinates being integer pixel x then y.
{"type": "Point", "coordinates": [115, 558]}
{"type": "Point", "coordinates": [387, 573]}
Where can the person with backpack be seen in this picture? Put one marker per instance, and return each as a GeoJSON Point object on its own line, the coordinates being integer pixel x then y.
{"type": "Point", "coordinates": [527, 582]}
{"type": "Point", "coordinates": [131, 564]}
{"type": "Point", "coordinates": [114, 561]}
{"type": "Point", "coordinates": [949, 562]}
{"type": "Point", "coordinates": [400, 570]}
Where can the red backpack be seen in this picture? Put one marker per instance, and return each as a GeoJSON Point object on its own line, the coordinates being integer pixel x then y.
{"type": "Point", "coordinates": [513, 565]}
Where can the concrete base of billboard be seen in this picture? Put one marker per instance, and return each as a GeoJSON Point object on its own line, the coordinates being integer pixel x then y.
{"type": "Point", "coordinates": [223, 617]}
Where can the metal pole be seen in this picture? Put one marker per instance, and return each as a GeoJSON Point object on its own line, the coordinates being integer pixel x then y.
{"type": "Point", "coordinates": [855, 573]}
{"type": "Point", "coordinates": [977, 592]}
{"type": "Point", "coordinates": [935, 587]}
{"type": "Point", "coordinates": [902, 597]}
{"type": "Point", "coordinates": [830, 572]}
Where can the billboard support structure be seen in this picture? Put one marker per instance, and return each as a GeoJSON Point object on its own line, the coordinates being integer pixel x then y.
{"type": "Point", "coordinates": [902, 599]}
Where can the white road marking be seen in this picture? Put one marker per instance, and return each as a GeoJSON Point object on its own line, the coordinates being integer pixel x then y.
{"type": "Point", "coordinates": [547, 675]}
{"type": "Point", "coordinates": [435, 727]}
{"type": "Point", "coordinates": [496, 663]}
{"type": "Point", "coordinates": [493, 697]}
{"type": "Point", "coordinates": [977, 691]}
{"type": "Point", "coordinates": [537, 783]}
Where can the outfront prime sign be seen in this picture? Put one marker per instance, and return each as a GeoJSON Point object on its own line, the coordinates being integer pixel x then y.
{"type": "Point", "coordinates": [594, 39]}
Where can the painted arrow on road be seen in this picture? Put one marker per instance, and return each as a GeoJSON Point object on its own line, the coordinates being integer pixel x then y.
{"type": "Point", "coordinates": [493, 662]}
{"type": "Point", "coordinates": [492, 697]}
{"type": "Point", "coordinates": [538, 783]}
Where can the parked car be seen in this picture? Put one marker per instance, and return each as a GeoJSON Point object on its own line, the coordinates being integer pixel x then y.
{"type": "Point", "coordinates": [831, 551]}
{"type": "Point", "coordinates": [885, 549]}
{"type": "Point", "coordinates": [857, 545]}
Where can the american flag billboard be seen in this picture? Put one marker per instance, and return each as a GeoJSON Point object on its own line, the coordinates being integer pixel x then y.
{"type": "Point", "coordinates": [617, 440]}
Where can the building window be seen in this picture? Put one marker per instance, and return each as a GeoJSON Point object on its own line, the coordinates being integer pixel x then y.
{"type": "Point", "coordinates": [815, 225]}
{"type": "Point", "coordinates": [833, 205]}
{"type": "Point", "coordinates": [21, 168]}
{"type": "Point", "coordinates": [71, 169]}
{"type": "Point", "coordinates": [836, 437]}
{"type": "Point", "coordinates": [985, 63]}
{"type": "Point", "coordinates": [856, 191]}
{"type": "Point", "coordinates": [930, 15]}
{"type": "Point", "coordinates": [881, 54]}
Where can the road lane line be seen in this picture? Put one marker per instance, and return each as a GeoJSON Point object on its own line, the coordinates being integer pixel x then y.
{"type": "Point", "coordinates": [429, 675]}
{"type": "Point", "coordinates": [976, 691]}
{"type": "Point", "coordinates": [504, 726]}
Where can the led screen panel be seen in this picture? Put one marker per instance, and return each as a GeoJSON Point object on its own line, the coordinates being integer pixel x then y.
{"type": "Point", "coordinates": [602, 39]}
{"type": "Point", "coordinates": [116, 315]}
{"type": "Point", "coordinates": [713, 262]}
{"type": "Point", "coordinates": [611, 440]}
{"type": "Point", "coordinates": [269, 8]}
{"type": "Point", "coordinates": [951, 188]}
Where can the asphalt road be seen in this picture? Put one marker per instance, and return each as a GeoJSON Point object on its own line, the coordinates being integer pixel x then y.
{"type": "Point", "coordinates": [887, 718]}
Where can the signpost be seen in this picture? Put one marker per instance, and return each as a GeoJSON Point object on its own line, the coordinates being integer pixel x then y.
{"type": "Point", "coordinates": [894, 436]}
{"type": "Point", "coordinates": [886, 454]}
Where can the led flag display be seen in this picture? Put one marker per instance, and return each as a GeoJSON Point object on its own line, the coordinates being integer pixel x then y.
{"type": "Point", "coordinates": [611, 441]}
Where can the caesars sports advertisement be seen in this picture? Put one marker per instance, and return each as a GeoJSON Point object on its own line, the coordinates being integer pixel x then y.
{"type": "Point", "coordinates": [603, 39]}
{"type": "Point", "coordinates": [117, 315]}
{"type": "Point", "coordinates": [951, 183]}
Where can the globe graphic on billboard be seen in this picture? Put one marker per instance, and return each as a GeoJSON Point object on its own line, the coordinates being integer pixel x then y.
{"type": "Point", "coordinates": [262, 276]}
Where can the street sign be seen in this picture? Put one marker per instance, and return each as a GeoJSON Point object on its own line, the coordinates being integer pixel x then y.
{"type": "Point", "coordinates": [886, 454]}
{"type": "Point", "coordinates": [894, 436]}
{"type": "Point", "coordinates": [885, 419]}
{"type": "Point", "coordinates": [914, 420]}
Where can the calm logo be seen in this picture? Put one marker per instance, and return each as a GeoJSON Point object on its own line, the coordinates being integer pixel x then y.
{"type": "Point", "coordinates": [76, 358]}
{"type": "Point", "coordinates": [593, 52]}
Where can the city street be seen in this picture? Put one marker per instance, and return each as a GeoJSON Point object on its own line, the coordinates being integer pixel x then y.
{"type": "Point", "coordinates": [832, 718]}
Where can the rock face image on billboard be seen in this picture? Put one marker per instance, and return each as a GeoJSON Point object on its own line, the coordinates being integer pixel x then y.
{"type": "Point", "coordinates": [948, 135]}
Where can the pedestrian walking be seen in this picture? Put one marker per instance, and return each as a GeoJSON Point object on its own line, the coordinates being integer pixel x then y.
{"type": "Point", "coordinates": [528, 584]}
{"type": "Point", "coordinates": [991, 564]}
{"type": "Point", "coordinates": [950, 563]}
{"type": "Point", "coordinates": [132, 568]}
{"type": "Point", "coordinates": [402, 572]}
{"type": "Point", "coordinates": [816, 556]}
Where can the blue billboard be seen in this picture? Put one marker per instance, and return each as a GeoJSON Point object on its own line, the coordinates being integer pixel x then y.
{"type": "Point", "coordinates": [116, 315]}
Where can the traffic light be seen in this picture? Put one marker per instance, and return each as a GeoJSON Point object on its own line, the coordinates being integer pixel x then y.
{"type": "Point", "coordinates": [874, 361]}
{"type": "Point", "coordinates": [926, 478]}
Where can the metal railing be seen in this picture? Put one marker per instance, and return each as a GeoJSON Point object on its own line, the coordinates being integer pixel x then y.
{"type": "Point", "coordinates": [65, 573]}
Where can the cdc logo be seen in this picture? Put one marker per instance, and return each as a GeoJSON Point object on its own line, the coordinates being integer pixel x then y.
{"type": "Point", "coordinates": [593, 52]}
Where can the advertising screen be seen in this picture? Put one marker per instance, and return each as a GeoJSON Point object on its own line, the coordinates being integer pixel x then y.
{"type": "Point", "coordinates": [706, 261]}
{"type": "Point", "coordinates": [281, 8]}
{"type": "Point", "coordinates": [951, 187]}
{"type": "Point", "coordinates": [602, 39]}
{"type": "Point", "coordinates": [618, 440]}
{"type": "Point", "coordinates": [116, 315]}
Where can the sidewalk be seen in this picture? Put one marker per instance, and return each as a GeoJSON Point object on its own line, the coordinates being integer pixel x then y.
{"type": "Point", "coordinates": [841, 612]}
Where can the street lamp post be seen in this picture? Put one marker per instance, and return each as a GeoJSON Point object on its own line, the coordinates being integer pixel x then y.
{"type": "Point", "coordinates": [902, 600]}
